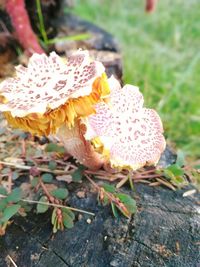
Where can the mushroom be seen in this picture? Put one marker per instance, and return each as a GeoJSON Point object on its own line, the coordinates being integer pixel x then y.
{"type": "Point", "coordinates": [50, 96]}
{"type": "Point", "coordinates": [127, 134]}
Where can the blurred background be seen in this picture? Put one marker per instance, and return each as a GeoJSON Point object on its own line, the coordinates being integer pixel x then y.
{"type": "Point", "coordinates": [161, 55]}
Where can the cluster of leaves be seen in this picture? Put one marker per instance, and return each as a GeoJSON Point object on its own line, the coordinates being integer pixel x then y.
{"type": "Point", "coordinates": [61, 216]}
{"type": "Point", "coordinates": [179, 174]}
{"type": "Point", "coordinates": [175, 173]}
{"type": "Point", "coordinates": [46, 167]}
{"type": "Point", "coordinates": [9, 206]}
{"type": "Point", "coordinates": [45, 40]}
{"type": "Point", "coordinates": [107, 194]}
{"type": "Point", "coordinates": [13, 203]}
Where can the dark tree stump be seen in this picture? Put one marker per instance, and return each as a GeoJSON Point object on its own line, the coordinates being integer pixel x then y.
{"type": "Point", "coordinates": [101, 45]}
{"type": "Point", "coordinates": [164, 232]}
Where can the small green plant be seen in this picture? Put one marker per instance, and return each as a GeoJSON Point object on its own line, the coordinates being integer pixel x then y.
{"type": "Point", "coordinates": [107, 194]}
{"type": "Point", "coordinates": [46, 195]}
{"type": "Point", "coordinates": [45, 40]}
{"type": "Point", "coordinates": [9, 206]}
{"type": "Point", "coordinates": [118, 201]}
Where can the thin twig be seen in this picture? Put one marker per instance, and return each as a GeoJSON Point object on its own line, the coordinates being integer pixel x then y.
{"type": "Point", "coordinates": [23, 147]}
{"type": "Point", "coordinates": [92, 182]}
{"type": "Point", "coordinates": [103, 175]}
{"type": "Point", "coordinates": [42, 185]}
{"type": "Point", "coordinates": [150, 176]}
{"type": "Point", "coordinates": [58, 206]}
{"type": "Point", "coordinates": [166, 184]}
{"type": "Point", "coordinates": [53, 205]}
{"type": "Point", "coordinates": [11, 260]}
{"type": "Point", "coordinates": [10, 182]}
{"type": "Point", "coordinates": [25, 167]}
{"type": "Point", "coordinates": [147, 171]}
{"type": "Point", "coordinates": [122, 182]}
{"type": "Point", "coordinates": [131, 183]}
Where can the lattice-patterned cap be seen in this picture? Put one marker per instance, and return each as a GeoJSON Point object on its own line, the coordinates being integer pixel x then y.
{"type": "Point", "coordinates": [131, 135]}
{"type": "Point", "coordinates": [49, 82]}
{"type": "Point", "coordinates": [51, 91]}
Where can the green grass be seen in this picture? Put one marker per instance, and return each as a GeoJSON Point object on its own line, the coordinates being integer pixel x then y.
{"type": "Point", "coordinates": [161, 55]}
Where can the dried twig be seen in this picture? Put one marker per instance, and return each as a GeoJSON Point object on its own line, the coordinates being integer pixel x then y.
{"type": "Point", "coordinates": [53, 205]}
{"type": "Point", "coordinates": [167, 184]}
{"type": "Point", "coordinates": [25, 167]}
{"type": "Point", "coordinates": [58, 206]}
{"type": "Point", "coordinates": [11, 260]}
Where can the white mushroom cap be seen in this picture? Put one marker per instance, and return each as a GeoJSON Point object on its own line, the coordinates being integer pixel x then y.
{"type": "Point", "coordinates": [130, 133]}
{"type": "Point", "coordinates": [49, 82]}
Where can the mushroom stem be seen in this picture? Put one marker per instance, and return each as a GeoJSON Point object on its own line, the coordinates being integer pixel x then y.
{"type": "Point", "coordinates": [76, 145]}
{"type": "Point", "coordinates": [21, 23]}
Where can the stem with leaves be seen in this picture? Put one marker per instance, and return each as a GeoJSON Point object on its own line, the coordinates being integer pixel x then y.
{"type": "Point", "coordinates": [123, 202]}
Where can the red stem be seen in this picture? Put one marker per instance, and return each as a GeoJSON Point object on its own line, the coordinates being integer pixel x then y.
{"type": "Point", "coordinates": [150, 5]}
{"type": "Point", "coordinates": [21, 23]}
{"type": "Point", "coordinates": [108, 194]}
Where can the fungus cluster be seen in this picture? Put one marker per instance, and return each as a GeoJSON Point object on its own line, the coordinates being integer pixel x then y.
{"type": "Point", "coordinates": [97, 121]}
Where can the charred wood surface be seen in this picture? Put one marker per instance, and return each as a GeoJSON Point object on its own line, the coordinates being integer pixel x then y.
{"type": "Point", "coordinates": [165, 231]}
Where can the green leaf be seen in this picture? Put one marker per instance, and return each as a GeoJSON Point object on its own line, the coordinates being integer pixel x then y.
{"type": "Point", "coordinates": [3, 204]}
{"type": "Point", "coordinates": [60, 193]}
{"type": "Point", "coordinates": [68, 212]}
{"type": "Point", "coordinates": [175, 174]}
{"type": "Point", "coordinates": [26, 206]}
{"type": "Point", "coordinates": [78, 174]}
{"type": "Point", "coordinates": [175, 169]}
{"type": "Point", "coordinates": [47, 177]}
{"type": "Point", "coordinates": [3, 191]}
{"type": "Point", "coordinates": [42, 208]}
{"type": "Point", "coordinates": [108, 187]}
{"type": "Point", "coordinates": [131, 183]}
{"type": "Point", "coordinates": [52, 165]}
{"type": "Point", "coordinates": [15, 195]}
{"type": "Point", "coordinates": [55, 225]}
{"type": "Point", "coordinates": [9, 212]}
{"type": "Point", "coordinates": [54, 148]}
{"type": "Point", "coordinates": [169, 174]}
{"type": "Point", "coordinates": [114, 210]}
{"type": "Point", "coordinates": [179, 181]}
{"type": "Point", "coordinates": [128, 201]}
{"type": "Point", "coordinates": [53, 216]}
{"type": "Point", "coordinates": [67, 220]}
{"type": "Point", "coordinates": [105, 200]}
{"type": "Point", "coordinates": [34, 181]}
{"type": "Point", "coordinates": [180, 160]}
{"type": "Point", "coordinates": [77, 37]}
